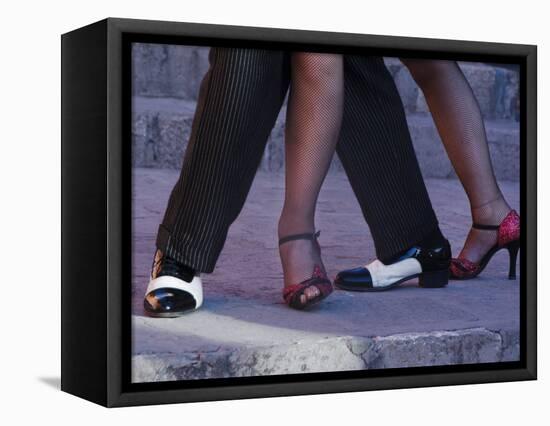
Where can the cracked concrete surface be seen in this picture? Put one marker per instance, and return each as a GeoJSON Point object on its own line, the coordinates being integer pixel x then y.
{"type": "Point", "coordinates": [467, 346]}
{"type": "Point", "coordinates": [244, 329]}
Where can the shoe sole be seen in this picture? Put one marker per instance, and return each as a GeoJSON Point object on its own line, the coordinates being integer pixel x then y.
{"type": "Point", "coordinates": [436, 279]}
{"type": "Point", "coordinates": [168, 314]}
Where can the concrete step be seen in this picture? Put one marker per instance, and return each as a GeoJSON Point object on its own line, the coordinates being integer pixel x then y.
{"type": "Point", "coordinates": [161, 128]}
{"type": "Point", "coordinates": [244, 328]}
{"type": "Point", "coordinates": [308, 353]}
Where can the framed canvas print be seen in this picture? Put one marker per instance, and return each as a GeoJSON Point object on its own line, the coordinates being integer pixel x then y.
{"type": "Point", "coordinates": [252, 212]}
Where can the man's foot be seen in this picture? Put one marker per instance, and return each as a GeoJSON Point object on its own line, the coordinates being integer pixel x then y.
{"type": "Point", "coordinates": [429, 263]}
{"type": "Point", "coordinates": [173, 290]}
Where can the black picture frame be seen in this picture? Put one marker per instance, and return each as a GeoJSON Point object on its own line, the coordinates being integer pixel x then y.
{"type": "Point", "coordinates": [96, 207]}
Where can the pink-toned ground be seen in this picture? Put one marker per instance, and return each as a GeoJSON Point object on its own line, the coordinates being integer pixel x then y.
{"type": "Point", "coordinates": [244, 316]}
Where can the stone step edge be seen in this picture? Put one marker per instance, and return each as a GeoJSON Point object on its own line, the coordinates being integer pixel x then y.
{"type": "Point", "coordinates": [345, 353]}
{"type": "Point", "coordinates": [186, 110]}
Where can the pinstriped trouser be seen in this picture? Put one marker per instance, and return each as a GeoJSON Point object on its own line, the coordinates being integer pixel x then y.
{"type": "Point", "coordinates": [239, 100]}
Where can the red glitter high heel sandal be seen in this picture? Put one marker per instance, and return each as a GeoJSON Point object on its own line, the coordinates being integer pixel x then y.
{"type": "Point", "coordinates": [508, 238]}
{"type": "Point", "coordinates": [292, 294]}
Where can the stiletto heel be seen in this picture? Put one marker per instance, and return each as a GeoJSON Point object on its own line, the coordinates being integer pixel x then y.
{"type": "Point", "coordinates": [507, 237]}
{"type": "Point", "coordinates": [292, 293]}
{"type": "Point", "coordinates": [513, 249]}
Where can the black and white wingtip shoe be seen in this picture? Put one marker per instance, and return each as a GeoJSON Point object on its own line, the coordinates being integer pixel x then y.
{"type": "Point", "coordinates": [173, 290]}
{"type": "Point", "coordinates": [429, 265]}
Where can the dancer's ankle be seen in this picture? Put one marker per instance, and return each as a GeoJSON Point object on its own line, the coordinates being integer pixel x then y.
{"type": "Point", "coordinates": [291, 225]}
{"type": "Point", "coordinates": [492, 212]}
{"type": "Point", "coordinates": [433, 239]}
{"type": "Point", "coordinates": [299, 256]}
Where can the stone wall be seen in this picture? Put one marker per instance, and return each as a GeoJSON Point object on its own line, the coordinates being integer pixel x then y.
{"type": "Point", "coordinates": [166, 80]}
{"type": "Point", "coordinates": [168, 71]}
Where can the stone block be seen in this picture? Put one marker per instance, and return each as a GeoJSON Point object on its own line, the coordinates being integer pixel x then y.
{"type": "Point", "coordinates": [171, 71]}
{"type": "Point", "coordinates": [435, 348]}
{"type": "Point", "coordinates": [160, 131]}
{"type": "Point", "coordinates": [330, 354]}
{"type": "Point", "coordinates": [510, 345]}
{"type": "Point", "coordinates": [496, 88]}
{"type": "Point", "coordinates": [162, 126]}
{"type": "Point", "coordinates": [502, 137]}
{"type": "Point", "coordinates": [176, 71]}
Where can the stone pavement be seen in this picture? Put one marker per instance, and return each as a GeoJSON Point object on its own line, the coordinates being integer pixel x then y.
{"type": "Point", "coordinates": [244, 328]}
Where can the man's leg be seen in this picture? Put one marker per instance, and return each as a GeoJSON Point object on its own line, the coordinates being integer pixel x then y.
{"type": "Point", "coordinates": [240, 98]}
{"type": "Point", "coordinates": [376, 151]}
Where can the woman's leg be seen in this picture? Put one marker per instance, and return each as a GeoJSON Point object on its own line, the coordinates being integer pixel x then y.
{"type": "Point", "coordinates": [460, 124]}
{"type": "Point", "coordinates": [312, 125]}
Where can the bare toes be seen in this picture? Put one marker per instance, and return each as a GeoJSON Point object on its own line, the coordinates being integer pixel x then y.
{"type": "Point", "coordinates": [312, 292]}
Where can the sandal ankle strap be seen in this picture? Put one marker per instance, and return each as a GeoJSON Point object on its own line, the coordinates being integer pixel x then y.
{"type": "Point", "coordinates": [306, 236]}
{"type": "Point", "coordinates": [485, 227]}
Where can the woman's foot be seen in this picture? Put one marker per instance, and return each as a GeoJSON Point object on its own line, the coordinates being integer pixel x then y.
{"type": "Point", "coordinates": [305, 279]}
{"type": "Point", "coordinates": [505, 235]}
{"type": "Point", "coordinates": [480, 241]}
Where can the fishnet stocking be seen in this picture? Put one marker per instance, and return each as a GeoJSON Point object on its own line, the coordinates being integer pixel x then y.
{"type": "Point", "coordinates": [460, 124]}
{"type": "Point", "coordinates": [313, 122]}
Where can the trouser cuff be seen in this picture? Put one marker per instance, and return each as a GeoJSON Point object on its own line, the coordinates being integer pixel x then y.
{"type": "Point", "coordinates": [187, 252]}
